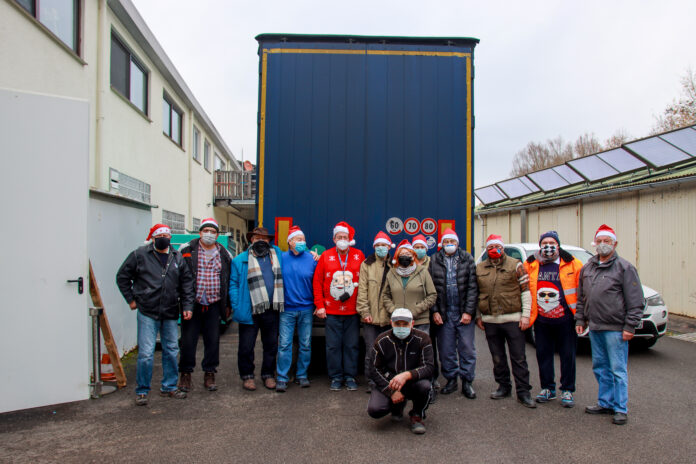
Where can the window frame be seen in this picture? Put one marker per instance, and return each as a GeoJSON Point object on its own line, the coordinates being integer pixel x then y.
{"type": "Point", "coordinates": [217, 158]}
{"type": "Point", "coordinates": [132, 60]}
{"type": "Point", "coordinates": [173, 108]}
{"type": "Point", "coordinates": [206, 155]}
{"type": "Point", "coordinates": [196, 144]}
{"type": "Point", "coordinates": [77, 24]}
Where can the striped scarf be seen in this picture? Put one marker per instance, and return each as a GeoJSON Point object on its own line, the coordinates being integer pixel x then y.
{"type": "Point", "coordinates": [257, 286]}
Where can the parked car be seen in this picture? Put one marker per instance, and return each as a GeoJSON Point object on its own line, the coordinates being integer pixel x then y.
{"type": "Point", "coordinates": [653, 324]}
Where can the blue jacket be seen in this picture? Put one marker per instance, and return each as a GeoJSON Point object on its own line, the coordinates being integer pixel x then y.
{"type": "Point", "coordinates": [240, 301]}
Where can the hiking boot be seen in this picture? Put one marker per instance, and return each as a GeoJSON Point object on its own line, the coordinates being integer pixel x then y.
{"type": "Point", "coordinates": [351, 384]}
{"type": "Point", "coordinates": [249, 384]}
{"type": "Point", "coordinates": [417, 426]}
{"type": "Point", "coordinates": [620, 418]}
{"type": "Point", "coordinates": [209, 381]}
{"type": "Point", "coordinates": [281, 387]}
{"type": "Point", "coordinates": [176, 394]}
{"type": "Point", "coordinates": [184, 381]}
{"type": "Point", "coordinates": [567, 399]}
{"type": "Point", "coordinates": [141, 400]}
{"type": "Point", "coordinates": [546, 395]}
{"type": "Point", "coordinates": [269, 383]}
{"type": "Point", "coordinates": [304, 382]}
{"type": "Point", "coordinates": [597, 409]}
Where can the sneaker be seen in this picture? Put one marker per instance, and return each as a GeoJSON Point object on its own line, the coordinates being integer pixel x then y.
{"type": "Point", "coordinates": [417, 426]}
{"type": "Point", "coordinates": [546, 395]}
{"type": "Point", "coordinates": [141, 400]}
{"type": "Point", "coordinates": [281, 386]}
{"type": "Point", "coordinates": [304, 382]}
{"type": "Point", "coordinates": [336, 385]}
{"type": "Point", "coordinates": [567, 399]}
{"type": "Point", "coordinates": [209, 381]}
{"type": "Point", "coordinates": [176, 394]}
{"type": "Point", "coordinates": [351, 384]}
{"type": "Point", "coordinates": [184, 381]}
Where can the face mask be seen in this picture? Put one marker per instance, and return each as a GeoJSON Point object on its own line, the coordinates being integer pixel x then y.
{"type": "Point", "coordinates": [342, 245]}
{"type": "Point", "coordinates": [549, 250]}
{"type": "Point", "coordinates": [604, 249]}
{"type": "Point", "coordinates": [421, 252]}
{"type": "Point", "coordinates": [405, 260]}
{"type": "Point", "coordinates": [300, 247]}
{"type": "Point", "coordinates": [260, 247]}
{"type": "Point", "coordinates": [162, 243]}
{"type": "Point", "coordinates": [401, 332]}
{"type": "Point", "coordinates": [449, 249]}
{"type": "Point", "coordinates": [381, 251]}
{"type": "Point", "coordinates": [494, 253]}
{"type": "Point", "coordinates": [208, 238]}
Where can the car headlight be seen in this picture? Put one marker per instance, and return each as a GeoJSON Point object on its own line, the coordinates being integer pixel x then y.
{"type": "Point", "coordinates": [655, 300]}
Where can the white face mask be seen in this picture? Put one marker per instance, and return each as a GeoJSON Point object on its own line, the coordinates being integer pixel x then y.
{"type": "Point", "coordinates": [342, 245]}
{"type": "Point", "coordinates": [604, 249]}
{"type": "Point", "coordinates": [449, 249]}
{"type": "Point", "coordinates": [208, 238]}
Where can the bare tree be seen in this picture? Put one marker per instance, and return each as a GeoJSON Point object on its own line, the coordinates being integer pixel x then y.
{"type": "Point", "coordinates": [619, 138]}
{"type": "Point", "coordinates": [681, 112]}
{"type": "Point", "coordinates": [586, 144]}
{"type": "Point", "coordinates": [536, 156]}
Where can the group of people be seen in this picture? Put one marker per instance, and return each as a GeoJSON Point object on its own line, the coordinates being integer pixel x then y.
{"type": "Point", "coordinates": [418, 314]}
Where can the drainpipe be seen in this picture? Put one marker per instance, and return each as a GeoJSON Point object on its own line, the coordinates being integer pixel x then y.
{"type": "Point", "coordinates": [189, 165]}
{"type": "Point", "coordinates": [102, 57]}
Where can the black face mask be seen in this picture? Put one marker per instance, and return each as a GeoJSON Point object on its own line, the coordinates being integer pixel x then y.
{"type": "Point", "coordinates": [162, 243]}
{"type": "Point", "coordinates": [405, 260]}
{"type": "Point", "coordinates": [261, 247]}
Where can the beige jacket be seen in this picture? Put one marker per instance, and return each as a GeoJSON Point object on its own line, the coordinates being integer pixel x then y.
{"type": "Point", "coordinates": [419, 295]}
{"type": "Point", "coordinates": [369, 302]}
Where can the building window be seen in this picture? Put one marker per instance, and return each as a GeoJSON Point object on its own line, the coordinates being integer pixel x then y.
{"type": "Point", "coordinates": [219, 163]}
{"type": "Point", "coordinates": [196, 224]}
{"type": "Point", "coordinates": [60, 17]}
{"type": "Point", "coordinates": [175, 221]}
{"type": "Point", "coordinates": [206, 155]}
{"type": "Point", "coordinates": [196, 144]}
{"type": "Point", "coordinates": [171, 120]}
{"type": "Point", "coordinates": [128, 75]}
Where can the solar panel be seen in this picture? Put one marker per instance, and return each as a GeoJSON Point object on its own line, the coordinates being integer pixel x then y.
{"type": "Point", "coordinates": [530, 185]}
{"type": "Point", "coordinates": [489, 194]}
{"type": "Point", "coordinates": [513, 188]}
{"type": "Point", "coordinates": [548, 179]}
{"type": "Point", "coordinates": [621, 160]}
{"type": "Point", "coordinates": [657, 152]}
{"type": "Point", "coordinates": [684, 139]}
{"type": "Point", "coordinates": [593, 167]}
{"type": "Point", "coordinates": [568, 174]}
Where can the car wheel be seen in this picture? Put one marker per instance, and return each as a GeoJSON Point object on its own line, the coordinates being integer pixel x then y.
{"type": "Point", "coordinates": [642, 343]}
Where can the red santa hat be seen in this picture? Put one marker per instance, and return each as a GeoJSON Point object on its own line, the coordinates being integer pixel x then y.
{"type": "Point", "coordinates": [156, 230]}
{"type": "Point", "coordinates": [209, 222]}
{"type": "Point", "coordinates": [420, 239]}
{"type": "Point", "coordinates": [383, 239]}
{"type": "Point", "coordinates": [604, 231]}
{"type": "Point", "coordinates": [494, 240]}
{"type": "Point", "coordinates": [404, 245]}
{"type": "Point", "coordinates": [449, 233]}
{"type": "Point", "coordinates": [347, 229]}
{"type": "Point", "coordinates": [294, 231]}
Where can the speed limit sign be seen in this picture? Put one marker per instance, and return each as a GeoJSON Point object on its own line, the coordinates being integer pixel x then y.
{"type": "Point", "coordinates": [394, 226]}
{"type": "Point", "coordinates": [428, 226]}
{"type": "Point", "coordinates": [411, 226]}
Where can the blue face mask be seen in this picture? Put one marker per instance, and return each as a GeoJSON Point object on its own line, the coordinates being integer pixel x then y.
{"type": "Point", "coordinates": [300, 247]}
{"type": "Point", "coordinates": [421, 252]}
{"type": "Point", "coordinates": [401, 332]}
{"type": "Point", "coordinates": [449, 249]}
{"type": "Point", "coordinates": [381, 251]}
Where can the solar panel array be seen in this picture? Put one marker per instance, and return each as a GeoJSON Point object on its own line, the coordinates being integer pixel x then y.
{"type": "Point", "coordinates": [659, 151]}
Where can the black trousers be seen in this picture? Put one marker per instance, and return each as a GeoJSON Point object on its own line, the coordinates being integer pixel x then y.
{"type": "Point", "coordinates": [419, 392]}
{"type": "Point", "coordinates": [267, 323]}
{"type": "Point", "coordinates": [206, 323]}
{"type": "Point", "coordinates": [497, 336]}
{"type": "Point", "coordinates": [434, 329]}
{"type": "Point", "coordinates": [549, 339]}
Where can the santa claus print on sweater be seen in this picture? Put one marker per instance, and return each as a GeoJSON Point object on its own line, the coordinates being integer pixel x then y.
{"type": "Point", "coordinates": [549, 300]}
{"type": "Point", "coordinates": [336, 281]}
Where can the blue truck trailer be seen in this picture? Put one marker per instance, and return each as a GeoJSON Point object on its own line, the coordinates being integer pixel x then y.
{"type": "Point", "coordinates": [376, 131]}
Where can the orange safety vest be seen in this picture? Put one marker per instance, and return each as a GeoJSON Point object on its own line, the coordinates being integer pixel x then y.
{"type": "Point", "coordinates": [569, 274]}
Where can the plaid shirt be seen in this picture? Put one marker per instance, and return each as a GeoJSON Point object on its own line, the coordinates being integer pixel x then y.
{"type": "Point", "coordinates": [208, 282]}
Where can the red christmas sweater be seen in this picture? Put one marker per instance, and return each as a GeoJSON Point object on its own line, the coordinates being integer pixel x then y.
{"type": "Point", "coordinates": [334, 276]}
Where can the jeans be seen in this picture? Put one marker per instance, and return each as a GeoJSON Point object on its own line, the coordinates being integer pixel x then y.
{"type": "Point", "coordinates": [288, 321]}
{"type": "Point", "coordinates": [496, 336]}
{"type": "Point", "coordinates": [609, 363]}
{"type": "Point", "coordinates": [147, 338]}
{"type": "Point", "coordinates": [552, 337]}
{"type": "Point", "coordinates": [206, 323]}
{"type": "Point", "coordinates": [455, 342]}
{"type": "Point", "coordinates": [267, 323]}
{"type": "Point", "coordinates": [342, 339]}
{"type": "Point", "coordinates": [370, 334]}
{"type": "Point", "coordinates": [379, 404]}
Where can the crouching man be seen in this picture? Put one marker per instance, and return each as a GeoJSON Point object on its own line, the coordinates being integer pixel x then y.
{"type": "Point", "coordinates": [401, 366]}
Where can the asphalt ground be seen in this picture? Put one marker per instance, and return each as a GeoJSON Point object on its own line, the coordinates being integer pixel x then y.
{"type": "Point", "coordinates": [316, 425]}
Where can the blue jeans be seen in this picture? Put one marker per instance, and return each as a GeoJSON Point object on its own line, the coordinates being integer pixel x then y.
{"type": "Point", "coordinates": [147, 338]}
{"type": "Point", "coordinates": [288, 321]}
{"type": "Point", "coordinates": [455, 343]}
{"type": "Point", "coordinates": [609, 363]}
{"type": "Point", "coordinates": [342, 346]}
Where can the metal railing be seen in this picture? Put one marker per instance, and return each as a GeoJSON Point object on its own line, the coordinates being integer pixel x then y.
{"type": "Point", "coordinates": [235, 185]}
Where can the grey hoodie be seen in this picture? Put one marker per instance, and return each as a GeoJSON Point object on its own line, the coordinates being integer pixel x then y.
{"type": "Point", "coordinates": [610, 296]}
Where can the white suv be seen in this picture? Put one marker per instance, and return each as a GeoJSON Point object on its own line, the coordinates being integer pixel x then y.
{"type": "Point", "coordinates": [653, 324]}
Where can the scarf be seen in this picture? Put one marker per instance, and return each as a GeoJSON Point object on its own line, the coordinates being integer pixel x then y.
{"type": "Point", "coordinates": [405, 271]}
{"type": "Point", "coordinates": [544, 260]}
{"type": "Point", "coordinates": [257, 286]}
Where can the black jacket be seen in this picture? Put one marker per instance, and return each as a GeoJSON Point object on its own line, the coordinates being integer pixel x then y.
{"type": "Point", "coordinates": [466, 283]}
{"type": "Point", "coordinates": [157, 291]}
{"type": "Point", "coordinates": [189, 251]}
{"type": "Point", "coordinates": [391, 356]}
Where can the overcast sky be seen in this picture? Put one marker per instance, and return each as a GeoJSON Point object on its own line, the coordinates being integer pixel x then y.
{"type": "Point", "coordinates": [543, 68]}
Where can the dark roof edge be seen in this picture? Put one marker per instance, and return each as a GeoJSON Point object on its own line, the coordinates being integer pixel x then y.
{"type": "Point", "coordinates": [336, 38]}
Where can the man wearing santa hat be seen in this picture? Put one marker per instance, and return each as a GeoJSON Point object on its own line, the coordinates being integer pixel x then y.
{"type": "Point", "coordinates": [155, 280]}
{"type": "Point", "coordinates": [335, 282]}
{"type": "Point", "coordinates": [610, 301]}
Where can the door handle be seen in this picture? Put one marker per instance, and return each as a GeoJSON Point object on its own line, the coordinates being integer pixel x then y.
{"type": "Point", "coordinates": [80, 284]}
